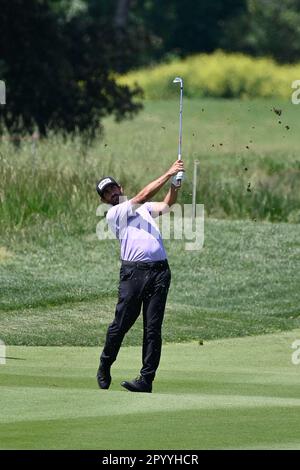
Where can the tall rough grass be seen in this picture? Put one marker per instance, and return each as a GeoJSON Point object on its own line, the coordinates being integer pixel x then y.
{"type": "Point", "coordinates": [65, 194]}
{"type": "Point", "coordinates": [272, 198]}
{"type": "Point", "coordinates": [52, 186]}
{"type": "Point", "coordinates": [55, 182]}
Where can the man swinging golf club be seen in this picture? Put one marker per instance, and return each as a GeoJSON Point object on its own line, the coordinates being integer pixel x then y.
{"type": "Point", "coordinates": [144, 275]}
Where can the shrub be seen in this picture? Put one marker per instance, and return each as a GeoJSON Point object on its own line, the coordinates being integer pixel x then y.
{"type": "Point", "coordinates": [218, 75]}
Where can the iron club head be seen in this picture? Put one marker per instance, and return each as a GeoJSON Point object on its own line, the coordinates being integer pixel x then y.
{"type": "Point", "coordinates": [178, 80]}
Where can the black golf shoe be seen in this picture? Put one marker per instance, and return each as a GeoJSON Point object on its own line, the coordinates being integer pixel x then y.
{"type": "Point", "coordinates": [138, 385]}
{"type": "Point", "coordinates": [103, 377]}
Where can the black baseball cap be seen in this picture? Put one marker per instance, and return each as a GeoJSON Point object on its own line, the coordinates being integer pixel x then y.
{"type": "Point", "coordinates": [104, 182]}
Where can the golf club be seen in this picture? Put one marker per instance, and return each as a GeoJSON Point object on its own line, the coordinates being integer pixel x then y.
{"type": "Point", "coordinates": [179, 176]}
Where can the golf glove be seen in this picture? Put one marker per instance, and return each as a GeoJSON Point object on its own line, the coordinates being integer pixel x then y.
{"type": "Point", "coordinates": [174, 179]}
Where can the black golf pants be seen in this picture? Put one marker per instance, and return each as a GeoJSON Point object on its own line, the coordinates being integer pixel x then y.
{"type": "Point", "coordinates": [141, 284]}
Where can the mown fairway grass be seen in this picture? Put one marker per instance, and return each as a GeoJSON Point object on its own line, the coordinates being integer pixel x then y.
{"type": "Point", "coordinates": [58, 286]}
{"type": "Point", "coordinates": [236, 393]}
{"type": "Point", "coordinates": [244, 281]}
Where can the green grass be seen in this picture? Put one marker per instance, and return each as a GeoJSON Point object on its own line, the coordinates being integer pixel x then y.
{"type": "Point", "coordinates": [56, 185]}
{"type": "Point", "coordinates": [58, 283]}
{"type": "Point", "coordinates": [58, 286]}
{"type": "Point", "coordinates": [236, 393]}
{"type": "Point", "coordinates": [62, 291]}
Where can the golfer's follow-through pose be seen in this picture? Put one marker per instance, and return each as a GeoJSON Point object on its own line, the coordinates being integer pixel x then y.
{"type": "Point", "coordinates": [144, 275]}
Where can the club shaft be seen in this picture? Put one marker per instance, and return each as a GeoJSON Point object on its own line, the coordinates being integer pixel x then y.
{"type": "Point", "coordinates": [180, 173]}
{"type": "Point", "coordinates": [180, 122]}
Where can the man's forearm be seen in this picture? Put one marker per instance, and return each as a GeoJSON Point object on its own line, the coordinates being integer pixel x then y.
{"type": "Point", "coordinates": [151, 189]}
{"type": "Point", "coordinates": [171, 196]}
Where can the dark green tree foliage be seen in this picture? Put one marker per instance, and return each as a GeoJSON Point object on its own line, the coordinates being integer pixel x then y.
{"type": "Point", "coordinates": [57, 68]}
{"type": "Point", "coordinates": [151, 30]}
{"type": "Point", "coordinates": [268, 28]}
{"type": "Point", "coordinates": [182, 27]}
{"type": "Point", "coordinates": [133, 38]}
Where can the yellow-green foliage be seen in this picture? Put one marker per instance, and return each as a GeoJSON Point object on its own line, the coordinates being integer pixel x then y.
{"type": "Point", "coordinates": [217, 75]}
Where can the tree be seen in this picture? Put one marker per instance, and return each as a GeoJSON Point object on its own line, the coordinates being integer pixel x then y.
{"type": "Point", "coordinates": [57, 68]}
{"type": "Point", "coordinates": [183, 27]}
{"type": "Point", "coordinates": [121, 14]}
{"type": "Point", "coordinates": [269, 27]}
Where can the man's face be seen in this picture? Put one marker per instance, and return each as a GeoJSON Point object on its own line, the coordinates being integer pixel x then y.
{"type": "Point", "coordinates": [111, 194]}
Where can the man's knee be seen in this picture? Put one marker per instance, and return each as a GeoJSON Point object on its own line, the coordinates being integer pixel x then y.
{"type": "Point", "coordinates": [121, 326]}
{"type": "Point", "coordinates": [153, 334]}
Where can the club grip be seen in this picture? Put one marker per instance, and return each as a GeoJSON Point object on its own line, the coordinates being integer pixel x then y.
{"type": "Point", "coordinates": [179, 178]}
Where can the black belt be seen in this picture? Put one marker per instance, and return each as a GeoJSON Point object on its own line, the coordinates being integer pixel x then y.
{"type": "Point", "coordinates": [146, 264]}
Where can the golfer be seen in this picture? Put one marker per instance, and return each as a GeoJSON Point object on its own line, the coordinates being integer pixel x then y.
{"type": "Point", "coordinates": [144, 275]}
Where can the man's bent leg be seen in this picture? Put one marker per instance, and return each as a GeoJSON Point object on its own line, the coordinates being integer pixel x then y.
{"type": "Point", "coordinates": [127, 311]}
{"type": "Point", "coordinates": [153, 313]}
{"type": "Point", "coordinates": [125, 316]}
